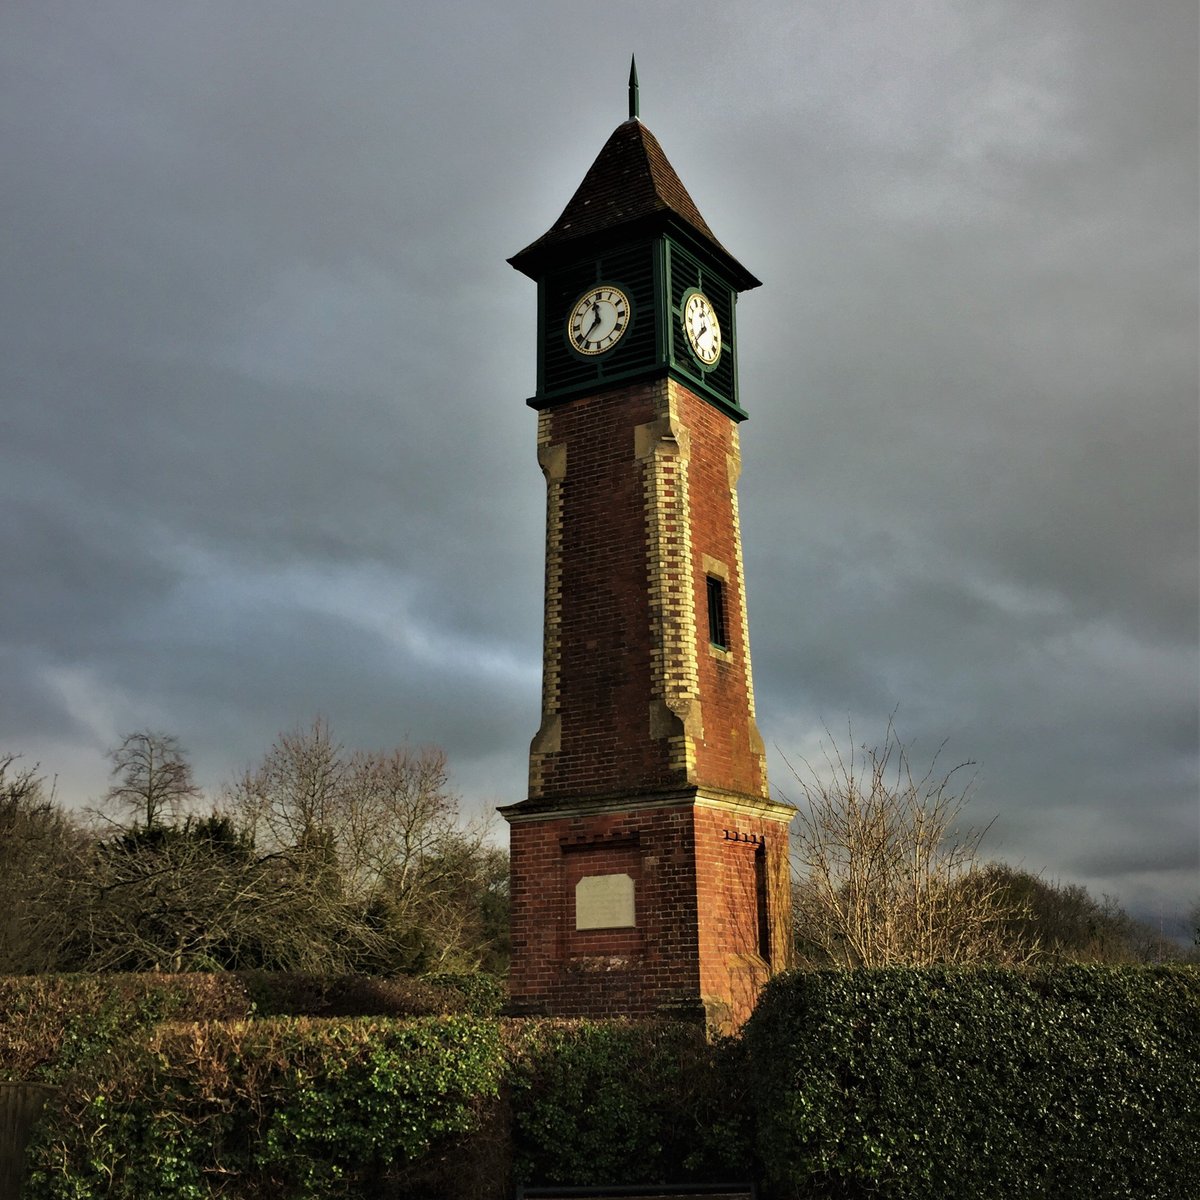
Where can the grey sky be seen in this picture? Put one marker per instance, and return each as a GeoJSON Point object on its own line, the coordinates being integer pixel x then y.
{"type": "Point", "coordinates": [263, 445]}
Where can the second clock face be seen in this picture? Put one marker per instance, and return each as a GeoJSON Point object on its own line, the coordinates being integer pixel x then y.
{"type": "Point", "coordinates": [598, 320]}
{"type": "Point", "coordinates": [702, 328]}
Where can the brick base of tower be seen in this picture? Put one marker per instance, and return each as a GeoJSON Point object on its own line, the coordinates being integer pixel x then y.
{"type": "Point", "coordinates": [710, 878]}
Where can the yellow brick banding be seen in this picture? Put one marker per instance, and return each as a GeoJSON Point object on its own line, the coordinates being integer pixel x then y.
{"type": "Point", "coordinates": [663, 447]}
{"type": "Point", "coordinates": [552, 460]}
{"type": "Point", "coordinates": [734, 466]}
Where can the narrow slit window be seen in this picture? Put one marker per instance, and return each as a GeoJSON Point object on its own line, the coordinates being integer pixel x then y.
{"type": "Point", "coordinates": [760, 896]}
{"type": "Point", "coordinates": [717, 634]}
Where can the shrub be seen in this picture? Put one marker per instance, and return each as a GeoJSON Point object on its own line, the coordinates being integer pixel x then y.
{"type": "Point", "coordinates": [1072, 1083]}
{"type": "Point", "coordinates": [49, 1024]}
{"type": "Point", "coordinates": [616, 1102]}
{"type": "Point", "coordinates": [294, 994]}
{"type": "Point", "coordinates": [484, 995]}
{"type": "Point", "coordinates": [276, 1107]}
{"type": "Point", "coordinates": [1079, 1082]}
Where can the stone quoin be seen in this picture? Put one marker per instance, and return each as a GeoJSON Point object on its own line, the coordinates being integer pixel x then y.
{"type": "Point", "coordinates": [649, 867]}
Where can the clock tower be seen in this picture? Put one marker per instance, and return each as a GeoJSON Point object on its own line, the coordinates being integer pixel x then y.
{"type": "Point", "coordinates": [649, 864]}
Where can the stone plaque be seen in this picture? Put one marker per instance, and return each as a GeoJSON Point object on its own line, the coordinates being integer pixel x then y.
{"type": "Point", "coordinates": [604, 902]}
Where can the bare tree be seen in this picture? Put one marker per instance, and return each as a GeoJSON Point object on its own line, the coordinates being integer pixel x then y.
{"type": "Point", "coordinates": [292, 798]}
{"type": "Point", "coordinates": [887, 875]}
{"type": "Point", "coordinates": [290, 807]}
{"type": "Point", "coordinates": [398, 812]}
{"type": "Point", "coordinates": [392, 879]}
{"type": "Point", "coordinates": [195, 896]}
{"type": "Point", "coordinates": [40, 848]}
{"type": "Point", "coordinates": [168, 891]}
{"type": "Point", "coordinates": [177, 896]}
{"type": "Point", "coordinates": [152, 778]}
{"type": "Point", "coordinates": [322, 861]}
{"type": "Point", "coordinates": [461, 902]}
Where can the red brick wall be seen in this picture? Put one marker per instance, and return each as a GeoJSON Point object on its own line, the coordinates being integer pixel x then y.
{"type": "Point", "coordinates": [605, 675]}
{"type": "Point", "coordinates": [697, 937]}
{"type": "Point", "coordinates": [741, 868]}
{"type": "Point", "coordinates": [605, 683]}
{"type": "Point", "coordinates": [604, 972]}
{"type": "Point", "coordinates": [725, 757]}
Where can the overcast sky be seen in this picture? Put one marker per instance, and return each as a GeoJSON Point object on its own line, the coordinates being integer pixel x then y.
{"type": "Point", "coordinates": [264, 451]}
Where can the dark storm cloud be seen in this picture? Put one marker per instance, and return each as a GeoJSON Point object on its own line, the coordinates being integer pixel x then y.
{"type": "Point", "coordinates": [264, 451]}
{"type": "Point", "coordinates": [988, 513]}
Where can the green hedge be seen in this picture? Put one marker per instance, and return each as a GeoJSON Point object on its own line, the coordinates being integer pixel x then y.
{"type": "Point", "coordinates": [277, 994]}
{"type": "Point", "coordinates": [1076, 1083]}
{"type": "Point", "coordinates": [183, 1086]}
{"type": "Point", "coordinates": [51, 1023]}
{"type": "Point", "coordinates": [1081, 1082]}
{"type": "Point", "coordinates": [624, 1102]}
{"type": "Point", "coordinates": [307, 1107]}
{"type": "Point", "coordinates": [277, 1107]}
{"type": "Point", "coordinates": [481, 994]}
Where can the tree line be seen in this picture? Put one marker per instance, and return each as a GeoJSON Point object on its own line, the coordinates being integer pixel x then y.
{"type": "Point", "coordinates": [317, 859]}
{"type": "Point", "coordinates": [324, 860]}
{"type": "Point", "coordinates": [888, 874]}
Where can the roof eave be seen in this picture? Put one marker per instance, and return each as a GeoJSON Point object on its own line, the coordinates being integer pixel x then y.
{"type": "Point", "coordinates": [541, 256]}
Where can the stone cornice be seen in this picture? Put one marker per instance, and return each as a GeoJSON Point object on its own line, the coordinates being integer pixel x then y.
{"type": "Point", "coordinates": [540, 809]}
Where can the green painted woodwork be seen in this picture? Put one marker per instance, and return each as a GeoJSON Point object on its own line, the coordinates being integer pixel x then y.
{"type": "Point", "coordinates": [656, 274]}
{"type": "Point", "coordinates": [561, 368]}
{"type": "Point", "coordinates": [662, 329]}
{"type": "Point", "coordinates": [632, 225]}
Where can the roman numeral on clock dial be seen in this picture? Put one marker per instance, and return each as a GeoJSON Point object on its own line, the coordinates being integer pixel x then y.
{"type": "Point", "coordinates": [598, 320]}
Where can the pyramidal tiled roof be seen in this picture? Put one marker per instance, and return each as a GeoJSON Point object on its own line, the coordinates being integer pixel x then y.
{"type": "Point", "coordinates": [630, 180]}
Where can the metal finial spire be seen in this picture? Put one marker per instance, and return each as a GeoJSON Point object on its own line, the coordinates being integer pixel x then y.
{"type": "Point", "coordinates": [633, 88]}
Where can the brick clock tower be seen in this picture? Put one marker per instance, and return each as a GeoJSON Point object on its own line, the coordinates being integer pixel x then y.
{"type": "Point", "coordinates": [649, 864]}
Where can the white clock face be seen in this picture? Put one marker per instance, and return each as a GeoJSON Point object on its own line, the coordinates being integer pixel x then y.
{"type": "Point", "coordinates": [599, 320]}
{"type": "Point", "coordinates": [702, 328]}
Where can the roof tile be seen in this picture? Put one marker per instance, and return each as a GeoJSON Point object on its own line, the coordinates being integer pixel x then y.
{"type": "Point", "coordinates": [631, 178]}
{"type": "Point", "coordinates": [630, 181]}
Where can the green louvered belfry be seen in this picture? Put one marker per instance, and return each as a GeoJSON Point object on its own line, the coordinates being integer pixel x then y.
{"type": "Point", "coordinates": [632, 224]}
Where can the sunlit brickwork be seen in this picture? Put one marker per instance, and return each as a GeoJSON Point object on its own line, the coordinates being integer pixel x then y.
{"type": "Point", "coordinates": [647, 761]}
